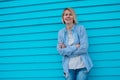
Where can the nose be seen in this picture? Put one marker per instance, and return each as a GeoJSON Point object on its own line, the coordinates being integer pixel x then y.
{"type": "Point", "coordinates": [68, 15]}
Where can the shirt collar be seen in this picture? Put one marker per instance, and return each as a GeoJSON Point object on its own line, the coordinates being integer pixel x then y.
{"type": "Point", "coordinates": [71, 29]}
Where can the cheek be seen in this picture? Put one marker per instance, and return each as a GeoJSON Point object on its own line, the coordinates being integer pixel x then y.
{"type": "Point", "coordinates": [72, 17]}
{"type": "Point", "coordinates": [64, 18]}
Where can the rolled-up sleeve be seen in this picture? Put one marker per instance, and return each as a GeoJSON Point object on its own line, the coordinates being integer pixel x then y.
{"type": "Point", "coordinates": [64, 51]}
{"type": "Point", "coordinates": [83, 42]}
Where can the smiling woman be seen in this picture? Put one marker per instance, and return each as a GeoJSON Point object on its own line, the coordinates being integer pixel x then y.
{"type": "Point", "coordinates": [69, 16]}
{"type": "Point", "coordinates": [28, 33]}
{"type": "Point", "coordinates": [73, 46]}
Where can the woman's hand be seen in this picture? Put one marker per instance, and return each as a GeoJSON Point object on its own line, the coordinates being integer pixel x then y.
{"type": "Point", "coordinates": [77, 45]}
{"type": "Point", "coordinates": [62, 45]}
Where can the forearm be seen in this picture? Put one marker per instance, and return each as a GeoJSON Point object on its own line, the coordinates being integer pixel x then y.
{"type": "Point", "coordinates": [67, 51]}
{"type": "Point", "coordinates": [80, 51]}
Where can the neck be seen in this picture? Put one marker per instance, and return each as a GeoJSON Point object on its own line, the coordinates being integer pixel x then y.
{"type": "Point", "coordinates": [69, 26]}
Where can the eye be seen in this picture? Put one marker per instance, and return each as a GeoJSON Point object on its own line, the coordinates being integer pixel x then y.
{"type": "Point", "coordinates": [65, 14]}
{"type": "Point", "coordinates": [70, 14]}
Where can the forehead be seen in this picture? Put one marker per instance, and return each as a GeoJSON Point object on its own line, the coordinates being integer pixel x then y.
{"type": "Point", "coordinates": [67, 11]}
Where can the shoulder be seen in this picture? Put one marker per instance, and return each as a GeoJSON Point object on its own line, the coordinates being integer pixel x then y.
{"type": "Point", "coordinates": [79, 27]}
{"type": "Point", "coordinates": [61, 31]}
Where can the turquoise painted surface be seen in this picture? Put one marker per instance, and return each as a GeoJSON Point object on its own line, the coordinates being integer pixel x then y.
{"type": "Point", "coordinates": [28, 37]}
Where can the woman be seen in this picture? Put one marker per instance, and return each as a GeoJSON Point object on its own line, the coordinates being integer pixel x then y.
{"type": "Point", "coordinates": [73, 46]}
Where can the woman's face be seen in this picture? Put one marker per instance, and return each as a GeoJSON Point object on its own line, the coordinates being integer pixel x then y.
{"type": "Point", "coordinates": [68, 17]}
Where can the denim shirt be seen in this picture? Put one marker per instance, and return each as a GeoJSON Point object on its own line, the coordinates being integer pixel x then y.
{"type": "Point", "coordinates": [80, 36]}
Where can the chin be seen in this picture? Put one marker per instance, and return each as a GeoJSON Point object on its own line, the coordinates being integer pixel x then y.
{"type": "Point", "coordinates": [67, 22]}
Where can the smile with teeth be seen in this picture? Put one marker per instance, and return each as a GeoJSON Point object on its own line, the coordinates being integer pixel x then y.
{"type": "Point", "coordinates": [68, 19]}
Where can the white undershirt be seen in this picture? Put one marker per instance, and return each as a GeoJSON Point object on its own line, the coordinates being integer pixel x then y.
{"type": "Point", "coordinates": [75, 62]}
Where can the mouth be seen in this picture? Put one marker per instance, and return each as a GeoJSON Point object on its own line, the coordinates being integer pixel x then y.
{"type": "Point", "coordinates": [68, 19]}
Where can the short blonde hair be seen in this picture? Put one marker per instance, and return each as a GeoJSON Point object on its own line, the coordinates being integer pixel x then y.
{"type": "Point", "coordinates": [73, 13]}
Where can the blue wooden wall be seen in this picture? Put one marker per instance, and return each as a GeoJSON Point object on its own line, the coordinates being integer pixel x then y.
{"type": "Point", "coordinates": [28, 38]}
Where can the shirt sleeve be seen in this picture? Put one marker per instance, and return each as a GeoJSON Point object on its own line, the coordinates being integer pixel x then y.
{"type": "Point", "coordinates": [64, 51]}
{"type": "Point", "coordinates": [83, 43]}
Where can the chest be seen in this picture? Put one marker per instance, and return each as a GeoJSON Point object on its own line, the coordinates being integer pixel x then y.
{"type": "Point", "coordinates": [71, 37]}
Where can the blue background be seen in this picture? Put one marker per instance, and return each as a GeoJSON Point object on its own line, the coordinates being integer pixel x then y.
{"type": "Point", "coordinates": [28, 38]}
